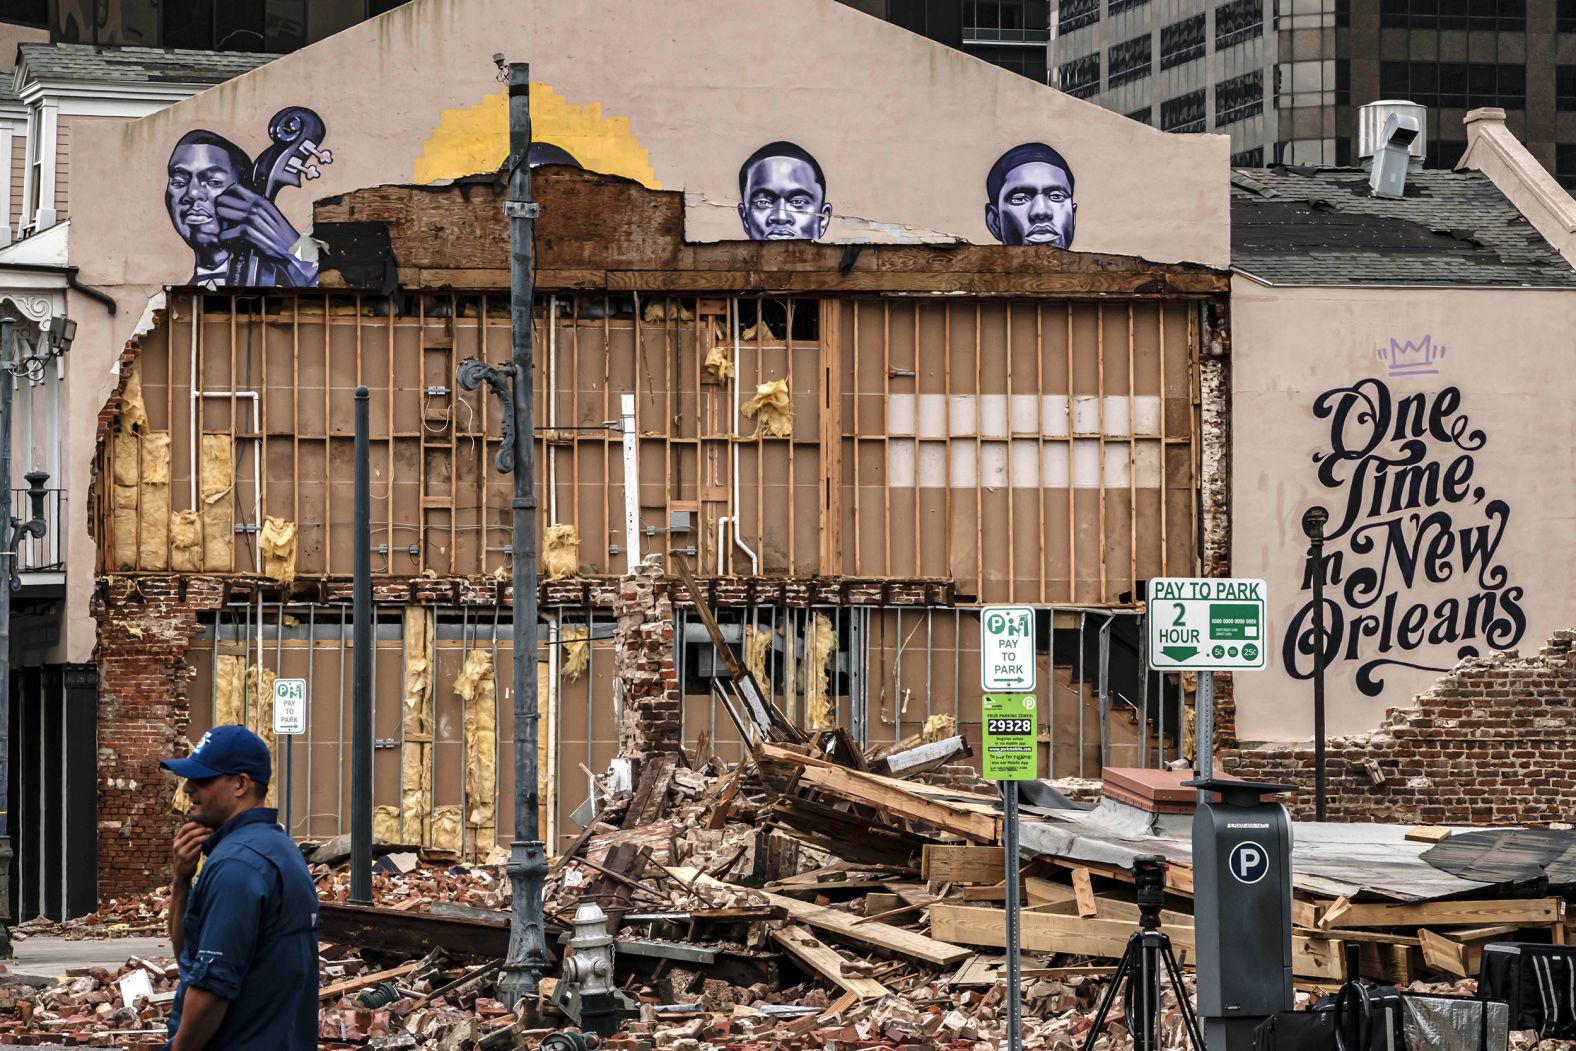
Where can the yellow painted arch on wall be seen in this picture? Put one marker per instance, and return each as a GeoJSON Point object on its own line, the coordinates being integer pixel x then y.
{"type": "Point", "coordinates": [473, 139]}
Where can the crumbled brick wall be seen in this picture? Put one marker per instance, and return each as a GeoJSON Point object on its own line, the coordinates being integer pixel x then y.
{"type": "Point", "coordinates": [1493, 741]}
{"type": "Point", "coordinates": [643, 667]}
{"type": "Point", "coordinates": [145, 626]}
{"type": "Point", "coordinates": [1215, 485]}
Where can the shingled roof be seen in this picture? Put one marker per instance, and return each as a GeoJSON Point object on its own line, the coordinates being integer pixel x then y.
{"type": "Point", "coordinates": [138, 64]}
{"type": "Point", "coordinates": [1322, 226]}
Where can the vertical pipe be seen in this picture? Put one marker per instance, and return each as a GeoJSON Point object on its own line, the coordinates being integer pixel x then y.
{"type": "Point", "coordinates": [626, 423]}
{"type": "Point", "coordinates": [361, 733]}
{"type": "Point", "coordinates": [1104, 689]}
{"type": "Point", "coordinates": [1009, 824]}
{"type": "Point", "coordinates": [7, 358]}
{"type": "Point", "coordinates": [1313, 527]}
{"type": "Point", "coordinates": [1205, 762]}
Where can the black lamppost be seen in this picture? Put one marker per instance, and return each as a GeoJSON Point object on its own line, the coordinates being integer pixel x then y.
{"type": "Point", "coordinates": [513, 383]}
{"type": "Point", "coordinates": [12, 533]}
{"type": "Point", "coordinates": [1313, 527]}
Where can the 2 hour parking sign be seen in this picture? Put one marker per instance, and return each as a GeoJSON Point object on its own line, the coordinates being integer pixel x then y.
{"type": "Point", "coordinates": [1206, 624]}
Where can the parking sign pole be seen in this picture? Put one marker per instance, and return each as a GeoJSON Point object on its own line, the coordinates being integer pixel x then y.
{"type": "Point", "coordinates": [1204, 731]}
{"type": "Point", "coordinates": [1009, 795]}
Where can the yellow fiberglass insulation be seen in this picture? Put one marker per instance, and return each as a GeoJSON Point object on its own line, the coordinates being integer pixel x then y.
{"type": "Point", "coordinates": [560, 551]}
{"type": "Point", "coordinates": [818, 666]}
{"type": "Point", "coordinates": [278, 543]}
{"type": "Point", "coordinates": [772, 410]}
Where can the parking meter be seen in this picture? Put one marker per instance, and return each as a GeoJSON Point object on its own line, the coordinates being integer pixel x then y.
{"type": "Point", "coordinates": [1242, 910]}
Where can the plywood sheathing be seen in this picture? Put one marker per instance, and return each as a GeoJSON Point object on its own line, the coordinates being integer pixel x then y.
{"type": "Point", "coordinates": [560, 551]}
{"type": "Point", "coordinates": [477, 691]}
{"type": "Point", "coordinates": [819, 647]}
{"type": "Point", "coordinates": [278, 544]}
{"type": "Point", "coordinates": [416, 725]}
{"type": "Point", "coordinates": [218, 511]}
{"type": "Point", "coordinates": [772, 410]}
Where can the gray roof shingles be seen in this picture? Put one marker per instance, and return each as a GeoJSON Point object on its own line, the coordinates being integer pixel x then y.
{"type": "Point", "coordinates": [137, 64]}
{"type": "Point", "coordinates": [1322, 226]}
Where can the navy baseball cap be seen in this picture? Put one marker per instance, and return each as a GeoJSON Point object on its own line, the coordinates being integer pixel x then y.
{"type": "Point", "coordinates": [224, 750]}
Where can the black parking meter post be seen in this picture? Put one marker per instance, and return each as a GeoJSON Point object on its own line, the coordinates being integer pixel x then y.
{"type": "Point", "coordinates": [1242, 908]}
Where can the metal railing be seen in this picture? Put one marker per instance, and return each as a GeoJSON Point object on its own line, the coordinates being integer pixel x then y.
{"type": "Point", "coordinates": [994, 35]}
{"type": "Point", "coordinates": [45, 554]}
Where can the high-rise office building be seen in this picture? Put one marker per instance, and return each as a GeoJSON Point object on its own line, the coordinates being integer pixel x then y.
{"type": "Point", "coordinates": [1285, 78]}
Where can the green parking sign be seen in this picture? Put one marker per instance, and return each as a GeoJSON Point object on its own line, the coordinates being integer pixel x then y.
{"type": "Point", "coordinates": [1012, 747]}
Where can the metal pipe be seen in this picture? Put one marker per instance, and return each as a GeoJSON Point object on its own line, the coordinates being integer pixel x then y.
{"type": "Point", "coordinates": [361, 733]}
{"type": "Point", "coordinates": [1313, 527]}
{"type": "Point", "coordinates": [7, 380]}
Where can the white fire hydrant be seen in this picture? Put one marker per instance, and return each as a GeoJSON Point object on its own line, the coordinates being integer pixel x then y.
{"type": "Point", "coordinates": [590, 967]}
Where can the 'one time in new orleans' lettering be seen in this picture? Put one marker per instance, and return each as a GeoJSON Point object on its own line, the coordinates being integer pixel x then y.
{"type": "Point", "coordinates": [1412, 545]}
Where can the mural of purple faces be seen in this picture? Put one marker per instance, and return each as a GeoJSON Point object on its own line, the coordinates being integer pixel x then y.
{"type": "Point", "coordinates": [221, 203]}
{"type": "Point", "coordinates": [1029, 197]}
{"type": "Point", "coordinates": [782, 195]}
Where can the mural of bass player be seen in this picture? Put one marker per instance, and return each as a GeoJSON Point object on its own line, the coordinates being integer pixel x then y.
{"type": "Point", "coordinates": [782, 195]}
{"type": "Point", "coordinates": [1029, 197]}
{"type": "Point", "coordinates": [221, 203]}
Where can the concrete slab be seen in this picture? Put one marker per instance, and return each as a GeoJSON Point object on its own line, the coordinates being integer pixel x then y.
{"type": "Point", "coordinates": [49, 956]}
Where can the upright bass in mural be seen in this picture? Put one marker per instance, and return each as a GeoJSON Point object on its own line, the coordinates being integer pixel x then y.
{"type": "Point", "coordinates": [221, 202]}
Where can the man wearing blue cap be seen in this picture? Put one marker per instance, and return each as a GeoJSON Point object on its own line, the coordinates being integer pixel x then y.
{"type": "Point", "coordinates": [246, 933]}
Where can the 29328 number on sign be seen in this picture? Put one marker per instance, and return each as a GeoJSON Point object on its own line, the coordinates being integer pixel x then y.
{"type": "Point", "coordinates": [1009, 726]}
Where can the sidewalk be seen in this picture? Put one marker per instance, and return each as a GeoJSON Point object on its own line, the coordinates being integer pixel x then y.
{"type": "Point", "coordinates": [49, 956]}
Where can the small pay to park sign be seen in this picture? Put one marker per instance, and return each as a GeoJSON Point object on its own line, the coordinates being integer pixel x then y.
{"type": "Point", "coordinates": [1206, 624]}
{"type": "Point", "coordinates": [1012, 748]}
{"type": "Point", "coordinates": [289, 706]}
{"type": "Point", "coordinates": [1007, 649]}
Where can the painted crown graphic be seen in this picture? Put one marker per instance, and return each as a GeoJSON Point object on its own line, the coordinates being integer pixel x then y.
{"type": "Point", "coordinates": [1411, 359]}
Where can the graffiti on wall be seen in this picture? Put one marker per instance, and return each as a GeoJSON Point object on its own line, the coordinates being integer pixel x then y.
{"type": "Point", "coordinates": [1029, 197]}
{"type": "Point", "coordinates": [221, 203]}
{"type": "Point", "coordinates": [1414, 575]}
{"type": "Point", "coordinates": [782, 194]}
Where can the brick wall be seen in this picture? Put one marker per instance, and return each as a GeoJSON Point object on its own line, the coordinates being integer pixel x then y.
{"type": "Point", "coordinates": [1493, 741]}
{"type": "Point", "coordinates": [643, 665]}
{"type": "Point", "coordinates": [144, 629]}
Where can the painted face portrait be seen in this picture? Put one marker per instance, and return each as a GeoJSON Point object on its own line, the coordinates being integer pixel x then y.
{"type": "Point", "coordinates": [782, 195]}
{"type": "Point", "coordinates": [199, 172]}
{"type": "Point", "coordinates": [1029, 197]}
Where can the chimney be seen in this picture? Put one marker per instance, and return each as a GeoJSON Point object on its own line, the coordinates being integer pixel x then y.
{"type": "Point", "coordinates": [1371, 121]}
{"type": "Point", "coordinates": [1392, 155]}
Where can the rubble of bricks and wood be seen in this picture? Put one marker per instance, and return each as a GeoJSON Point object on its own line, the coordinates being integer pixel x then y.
{"type": "Point", "coordinates": [808, 896]}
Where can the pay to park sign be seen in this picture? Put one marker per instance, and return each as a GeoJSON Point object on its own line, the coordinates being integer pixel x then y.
{"type": "Point", "coordinates": [1206, 624]}
{"type": "Point", "coordinates": [1007, 649]}
{"type": "Point", "coordinates": [1012, 749]}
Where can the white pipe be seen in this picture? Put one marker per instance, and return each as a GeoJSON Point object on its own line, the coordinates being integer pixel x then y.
{"type": "Point", "coordinates": [626, 423]}
{"type": "Point", "coordinates": [755, 563]}
{"type": "Point", "coordinates": [552, 409]}
{"type": "Point", "coordinates": [191, 428]}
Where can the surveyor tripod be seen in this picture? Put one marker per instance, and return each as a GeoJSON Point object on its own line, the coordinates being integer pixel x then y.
{"type": "Point", "coordinates": [1148, 951]}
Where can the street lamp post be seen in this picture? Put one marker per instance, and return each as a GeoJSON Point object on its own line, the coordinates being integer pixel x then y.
{"type": "Point", "coordinates": [514, 385]}
{"type": "Point", "coordinates": [1313, 527]}
{"type": "Point", "coordinates": [12, 532]}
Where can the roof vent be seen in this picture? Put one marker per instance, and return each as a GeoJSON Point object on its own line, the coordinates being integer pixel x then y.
{"type": "Point", "coordinates": [1393, 158]}
{"type": "Point", "coordinates": [1371, 121]}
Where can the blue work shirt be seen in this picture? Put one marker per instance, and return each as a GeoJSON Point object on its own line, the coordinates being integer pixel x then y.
{"type": "Point", "coordinates": [250, 936]}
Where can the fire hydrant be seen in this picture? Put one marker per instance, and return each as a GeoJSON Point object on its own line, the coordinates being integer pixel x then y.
{"type": "Point", "coordinates": [591, 966]}
{"type": "Point", "coordinates": [586, 991]}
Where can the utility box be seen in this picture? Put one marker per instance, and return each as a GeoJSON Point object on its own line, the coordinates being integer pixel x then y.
{"type": "Point", "coordinates": [1242, 910]}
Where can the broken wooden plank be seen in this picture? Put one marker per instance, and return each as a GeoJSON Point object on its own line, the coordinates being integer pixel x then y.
{"type": "Point", "coordinates": [652, 792]}
{"type": "Point", "coordinates": [1445, 954]}
{"type": "Point", "coordinates": [414, 932]}
{"type": "Point", "coordinates": [1331, 916]}
{"type": "Point", "coordinates": [1083, 894]}
{"type": "Point", "coordinates": [944, 863]}
{"type": "Point", "coordinates": [1041, 891]}
{"type": "Point", "coordinates": [665, 950]}
{"type": "Point", "coordinates": [820, 958]}
{"type": "Point", "coordinates": [1179, 878]}
{"type": "Point", "coordinates": [975, 822]}
{"type": "Point", "coordinates": [350, 985]}
{"type": "Point", "coordinates": [922, 758]}
{"type": "Point", "coordinates": [881, 935]}
{"type": "Point", "coordinates": [1427, 834]}
{"type": "Point", "coordinates": [1530, 912]}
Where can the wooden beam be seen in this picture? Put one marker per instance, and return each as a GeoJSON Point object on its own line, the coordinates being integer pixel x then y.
{"type": "Point", "coordinates": [1083, 892]}
{"type": "Point", "coordinates": [1427, 834]}
{"type": "Point", "coordinates": [1042, 932]}
{"type": "Point", "coordinates": [845, 926]}
{"type": "Point", "coordinates": [1041, 891]}
{"type": "Point", "coordinates": [892, 796]}
{"type": "Point", "coordinates": [820, 958]}
{"type": "Point", "coordinates": [966, 864]}
{"type": "Point", "coordinates": [1446, 954]}
{"type": "Point", "coordinates": [1528, 912]}
{"type": "Point", "coordinates": [1179, 878]}
{"type": "Point", "coordinates": [350, 985]}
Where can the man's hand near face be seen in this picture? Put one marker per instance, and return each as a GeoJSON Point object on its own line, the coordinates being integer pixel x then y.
{"type": "Point", "coordinates": [184, 852]}
{"type": "Point", "coordinates": [254, 220]}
